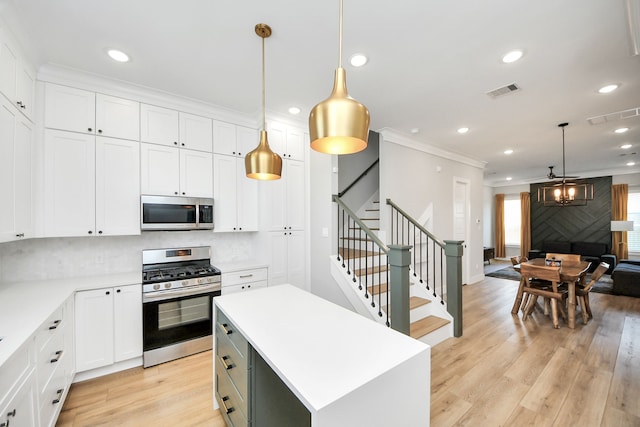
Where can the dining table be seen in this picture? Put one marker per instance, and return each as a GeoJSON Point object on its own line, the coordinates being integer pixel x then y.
{"type": "Point", "coordinates": [571, 273]}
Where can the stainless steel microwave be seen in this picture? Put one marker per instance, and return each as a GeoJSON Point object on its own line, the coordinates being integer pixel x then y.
{"type": "Point", "coordinates": [176, 213]}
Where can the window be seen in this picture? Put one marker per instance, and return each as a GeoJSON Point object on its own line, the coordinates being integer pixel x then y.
{"type": "Point", "coordinates": [512, 222]}
{"type": "Point", "coordinates": [633, 214]}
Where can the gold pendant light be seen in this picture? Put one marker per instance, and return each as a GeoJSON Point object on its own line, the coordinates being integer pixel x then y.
{"type": "Point", "coordinates": [262, 163]}
{"type": "Point", "coordinates": [339, 124]}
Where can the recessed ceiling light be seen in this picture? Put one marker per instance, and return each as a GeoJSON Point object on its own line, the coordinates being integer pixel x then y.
{"type": "Point", "coordinates": [463, 130]}
{"type": "Point", "coordinates": [621, 130]}
{"type": "Point", "coordinates": [509, 178]}
{"type": "Point", "coordinates": [507, 152]}
{"type": "Point", "coordinates": [626, 146]}
{"type": "Point", "coordinates": [608, 88]}
{"type": "Point", "coordinates": [512, 56]}
{"type": "Point", "coordinates": [631, 164]}
{"type": "Point", "coordinates": [415, 130]}
{"type": "Point", "coordinates": [118, 55]}
{"type": "Point", "coordinates": [358, 59]}
{"type": "Point", "coordinates": [294, 110]}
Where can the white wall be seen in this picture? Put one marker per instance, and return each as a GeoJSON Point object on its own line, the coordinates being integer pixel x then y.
{"type": "Point", "coordinates": [415, 176]}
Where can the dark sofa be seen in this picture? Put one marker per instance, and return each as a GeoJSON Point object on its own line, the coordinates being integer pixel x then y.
{"type": "Point", "coordinates": [626, 278]}
{"type": "Point", "coordinates": [594, 252]}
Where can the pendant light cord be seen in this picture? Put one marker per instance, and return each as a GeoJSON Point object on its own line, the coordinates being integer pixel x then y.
{"type": "Point", "coordinates": [340, 39]}
{"type": "Point", "coordinates": [264, 126]}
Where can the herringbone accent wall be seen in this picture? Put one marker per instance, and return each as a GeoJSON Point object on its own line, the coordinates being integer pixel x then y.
{"type": "Point", "coordinates": [590, 223]}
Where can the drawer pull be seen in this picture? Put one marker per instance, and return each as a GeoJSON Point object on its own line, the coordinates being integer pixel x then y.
{"type": "Point", "coordinates": [226, 331]}
{"type": "Point", "coordinates": [224, 405]}
{"type": "Point", "coordinates": [246, 275]}
{"type": "Point", "coordinates": [225, 364]}
{"type": "Point", "coordinates": [55, 324]}
{"type": "Point", "coordinates": [58, 356]}
{"type": "Point", "coordinates": [57, 400]}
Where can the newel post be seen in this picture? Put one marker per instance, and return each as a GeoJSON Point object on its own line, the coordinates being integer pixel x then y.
{"type": "Point", "coordinates": [399, 260]}
{"type": "Point", "coordinates": [453, 251]}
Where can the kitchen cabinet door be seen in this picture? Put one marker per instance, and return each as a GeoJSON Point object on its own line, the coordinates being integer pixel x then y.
{"type": "Point", "coordinates": [127, 318]}
{"type": "Point", "coordinates": [295, 195]}
{"type": "Point", "coordinates": [158, 125]}
{"type": "Point", "coordinates": [23, 192]}
{"type": "Point", "coordinates": [196, 132]}
{"type": "Point", "coordinates": [8, 66]}
{"type": "Point", "coordinates": [224, 138]}
{"type": "Point", "coordinates": [247, 199]}
{"type": "Point", "coordinates": [283, 200]}
{"type": "Point", "coordinates": [296, 259]}
{"type": "Point", "coordinates": [117, 187]}
{"type": "Point", "coordinates": [70, 109]}
{"type": "Point", "coordinates": [7, 136]}
{"type": "Point", "coordinates": [224, 193]}
{"type": "Point", "coordinates": [19, 410]}
{"type": "Point", "coordinates": [246, 140]}
{"type": "Point", "coordinates": [279, 253]}
{"type": "Point", "coordinates": [196, 174]}
{"type": "Point", "coordinates": [69, 184]}
{"type": "Point", "coordinates": [25, 89]}
{"type": "Point", "coordinates": [160, 170]}
{"type": "Point", "coordinates": [94, 329]}
{"type": "Point", "coordinates": [117, 117]}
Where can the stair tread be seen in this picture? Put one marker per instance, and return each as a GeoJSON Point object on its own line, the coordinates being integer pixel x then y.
{"type": "Point", "coordinates": [369, 219]}
{"type": "Point", "coordinates": [422, 327]}
{"type": "Point", "coordinates": [376, 289]}
{"type": "Point", "coordinates": [371, 270]}
{"type": "Point", "coordinates": [351, 254]}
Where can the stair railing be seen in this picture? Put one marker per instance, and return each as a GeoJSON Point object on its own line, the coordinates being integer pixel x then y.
{"type": "Point", "coordinates": [355, 181]}
{"type": "Point", "coordinates": [374, 267]}
{"type": "Point", "coordinates": [437, 264]}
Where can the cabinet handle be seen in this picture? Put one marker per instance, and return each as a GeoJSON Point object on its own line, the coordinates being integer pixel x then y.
{"type": "Point", "coordinates": [246, 275]}
{"type": "Point", "coordinates": [182, 144]}
{"type": "Point", "coordinates": [90, 232]}
{"type": "Point", "coordinates": [99, 231]}
{"type": "Point", "coordinates": [99, 130]}
{"type": "Point", "coordinates": [175, 192]}
{"type": "Point", "coordinates": [239, 153]}
{"type": "Point", "coordinates": [90, 129]}
{"type": "Point", "coordinates": [20, 235]}
{"type": "Point", "coordinates": [225, 364]}
{"type": "Point", "coordinates": [19, 103]}
{"type": "Point", "coordinates": [57, 400]}
{"type": "Point", "coordinates": [240, 228]}
{"type": "Point", "coordinates": [224, 405]}
{"type": "Point", "coordinates": [107, 293]}
{"type": "Point", "coordinates": [234, 229]}
{"type": "Point", "coordinates": [118, 290]}
{"type": "Point", "coordinates": [223, 326]}
{"type": "Point", "coordinates": [56, 323]}
{"type": "Point", "coordinates": [175, 142]}
{"type": "Point", "coordinates": [234, 152]}
{"type": "Point", "coordinates": [58, 356]}
{"type": "Point", "coordinates": [183, 193]}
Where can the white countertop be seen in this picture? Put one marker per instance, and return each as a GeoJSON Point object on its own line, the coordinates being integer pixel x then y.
{"type": "Point", "coordinates": [24, 306]}
{"type": "Point", "coordinates": [310, 342]}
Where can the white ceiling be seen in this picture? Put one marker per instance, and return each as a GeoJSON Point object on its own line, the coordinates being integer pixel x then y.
{"type": "Point", "coordinates": [431, 64]}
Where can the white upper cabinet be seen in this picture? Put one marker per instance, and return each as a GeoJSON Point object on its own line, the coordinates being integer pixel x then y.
{"type": "Point", "coordinates": [177, 129]}
{"type": "Point", "coordinates": [233, 140]}
{"type": "Point", "coordinates": [286, 141]}
{"type": "Point", "coordinates": [158, 125]}
{"type": "Point", "coordinates": [196, 132]}
{"type": "Point", "coordinates": [83, 111]}
{"type": "Point", "coordinates": [236, 196]}
{"type": "Point", "coordinates": [196, 174]}
{"type": "Point", "coordinates": [17, 77]}
{"type": "Point", "coordinates": [7, 136]}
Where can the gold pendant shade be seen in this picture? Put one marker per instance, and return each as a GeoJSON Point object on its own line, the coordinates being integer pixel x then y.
{"type": "Point", "coordinates": [339, 124]}
{"type": "Point", "coordinates": [262, 163]}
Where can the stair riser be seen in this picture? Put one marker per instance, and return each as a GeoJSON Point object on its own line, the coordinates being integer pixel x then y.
{"type": "Point", "coordinates": [362, 245]}
{"type": "Point", "coordinates": [420, 312]}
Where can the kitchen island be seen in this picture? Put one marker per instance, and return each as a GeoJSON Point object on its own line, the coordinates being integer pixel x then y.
{"type": "Point", "coordinates": [311, 362]}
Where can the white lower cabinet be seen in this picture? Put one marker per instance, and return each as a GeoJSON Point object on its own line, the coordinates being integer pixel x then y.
{"type": "Point", "coordinates": [244, 280]}
{"type": "Point", "coordinates": [20, 409]}
{"type": "Point", "coordinates": [108, 326]}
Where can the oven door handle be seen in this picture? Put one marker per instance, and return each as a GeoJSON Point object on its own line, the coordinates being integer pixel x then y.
{"type": "Point", "coordinates": [164, 295]}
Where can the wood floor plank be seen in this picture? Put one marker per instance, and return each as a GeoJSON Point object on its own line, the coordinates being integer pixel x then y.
{"type": "Point", "coordinates": [625, 387]}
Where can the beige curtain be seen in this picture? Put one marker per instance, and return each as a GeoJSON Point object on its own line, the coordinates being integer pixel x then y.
{"type": "Point", "coordinates": [525, 224]}
{"type": "Point", "coordinates": [500, 250]}
{"type": "Point", "coordinates": [619, 198]}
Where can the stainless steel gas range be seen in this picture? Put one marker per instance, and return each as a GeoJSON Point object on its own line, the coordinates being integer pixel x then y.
{"type": "Point", "coordinates": [177, 289]}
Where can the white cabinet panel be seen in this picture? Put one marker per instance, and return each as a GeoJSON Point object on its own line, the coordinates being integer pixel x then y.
{"type": "Point", "coordinates": [196, 173]}
{"type": "Point", "coordinates": [196, 132]}
{"type": "Point", "coordinates": [279, 253]}
{"type": "Point", "coordinates": [20, 409]}
{"type": "Point", "coordinates": [247, 199]}
{"type": "Point", "coordinates": [7, 136]}
{"type": "Point", "coordinates": [23, 191]}
{"type": "Point", "coordinates": [127, 326]}
{"type": "Point", "coordinates": [158, 125]}
{"type": "Point", "coordinates": [295, 195]}
{"type": "Point", "coordinates": [287, 141]}
{"type": "Point", "coordinates": [8, 67]}
{"type": "Point", "coordinates": [236, 196]}
{"type": "Point", "coordinates": [70, 109]}
{"type": "Point", "coordinates": [160, 170]}
{"type": "Point", "coordinates": [246, 140]}
{"type": "Point", "coordinates": [283, 200]}
{"type": "Point", "coordinates": [69, 184]}
{"type": "Point", "coordinates": [25, 84]}
{"type": "Point", "coordinates": [224, 138]}
{"type": "Point", "coordinates": [117, 187]}
{"type": "Point", "coordinates": [117, 117]}
{"type": "Point", "coordinates": [94, 329]}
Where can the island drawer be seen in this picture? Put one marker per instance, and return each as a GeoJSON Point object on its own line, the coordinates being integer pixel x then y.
{"type": "Point", "coordinates": [233, 363]}
{"type": "Point", "coordinates": [225, 328]}
{"type": "Point", "coordinates": [233, 406]}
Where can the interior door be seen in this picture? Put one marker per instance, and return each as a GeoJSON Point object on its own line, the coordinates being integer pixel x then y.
{"type": "Point", "coordinates": [461, 214]}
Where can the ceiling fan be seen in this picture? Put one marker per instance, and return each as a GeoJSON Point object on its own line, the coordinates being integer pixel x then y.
{"type": "Point", "coordinates": [551, 174]}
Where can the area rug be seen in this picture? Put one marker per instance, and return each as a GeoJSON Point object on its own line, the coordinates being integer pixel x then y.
{"type": "Point", "coordinates": [602, 286]}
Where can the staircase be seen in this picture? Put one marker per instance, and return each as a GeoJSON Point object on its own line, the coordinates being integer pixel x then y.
{"type": "Point", "coordinates": [362, 272]}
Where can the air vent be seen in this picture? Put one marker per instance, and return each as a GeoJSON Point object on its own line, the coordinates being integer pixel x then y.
{"type": "Point", "coordinates": [503, 90]}
{"type": "Point", "coordinates": [612, 117]}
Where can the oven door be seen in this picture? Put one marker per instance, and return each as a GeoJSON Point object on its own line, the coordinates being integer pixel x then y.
{"type": "Point", "coordinates": [172, 324]}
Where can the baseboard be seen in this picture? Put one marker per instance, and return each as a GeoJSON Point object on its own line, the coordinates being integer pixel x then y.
{"type": "Point", "coordinates": [106, 370]}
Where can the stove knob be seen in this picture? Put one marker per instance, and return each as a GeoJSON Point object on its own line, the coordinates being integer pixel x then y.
{"type": "Point", "coordinates": [185, 282]}
{"type": "Point", "coordinates": [156, 287]}
{"type": "Point", "coordinates": [167, 285]}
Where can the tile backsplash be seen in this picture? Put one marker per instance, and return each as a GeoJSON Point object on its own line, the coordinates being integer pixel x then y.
{"type": "Point", "coordinates": [57, 258]}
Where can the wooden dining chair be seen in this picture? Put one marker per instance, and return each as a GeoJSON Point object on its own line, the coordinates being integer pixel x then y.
{"type": "Point", "coordinates": [582, 292]}
{"type": "Point", "coordinates": [551, 274]}
{"type": "Point", "coordinates": [515, 260]}
{"type": "Point", "coordinates": [570, 258]}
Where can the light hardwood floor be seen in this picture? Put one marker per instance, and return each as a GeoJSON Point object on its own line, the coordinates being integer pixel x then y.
{"type": "Point", "coordinates": [502, 372]}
